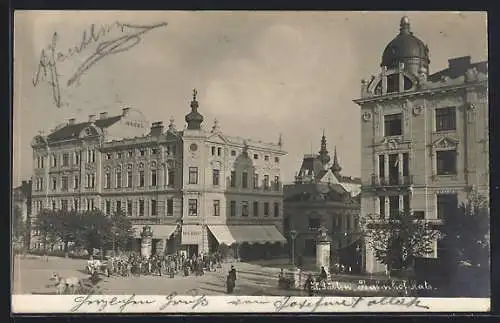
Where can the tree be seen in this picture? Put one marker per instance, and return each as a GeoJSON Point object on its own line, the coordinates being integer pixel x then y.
{"type": "Point", "coordinates": [466, 233]}
{"type": "Point", "coordinates": [120, 231]}
{"type": "Point", "coordinates": [398, 240]}
{"type": "Point", "coordinates": [67, 223]}
{"type": "Point", "coordinates": [47, 224]}
{"type": "Point", "coordinates": [18, 224]}
{"type": "Point", "coordinates": [92, 230]}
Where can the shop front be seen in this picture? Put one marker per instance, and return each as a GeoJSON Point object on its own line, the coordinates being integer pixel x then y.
{"type": "Point", "coordinates": [250, 242]}
{"type": "Point", "coordinates": [192, 240]}
{"type": "Point", "coordinates": [152, 239]}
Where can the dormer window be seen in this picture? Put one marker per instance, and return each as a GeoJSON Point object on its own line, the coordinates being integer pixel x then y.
{"type": "Point", "coordinates": [255, 156]}
{"type": "Point", "coordinates": [392, 83]}
{"type": "Point", "coordinates": [233, 152]}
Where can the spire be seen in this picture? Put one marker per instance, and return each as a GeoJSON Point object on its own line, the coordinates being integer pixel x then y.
{"type": "Point", "coordinates": [324, 158]}
{"type": "Point", "coordinates": [404, 25]}
{"type": "Point", "coordinates": [194, 118]}
{"type": "Point", "coordinates": [280, 141]}
{"type": "Point", "coordinates": [336, 166]}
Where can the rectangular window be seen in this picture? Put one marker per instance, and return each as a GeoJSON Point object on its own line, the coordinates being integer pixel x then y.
{"type": "Point", "coordinates": [142, 152]}
{"type": "Point", "coordinates": [276, 210]}
{"type": "Point", "coordinates": [118, 206]}
{"type": "Point", "coordinates": [406, 165]}
{"type": "Point", "coordinates": [213, 151]}
{"type": "Point", "coordinates": [255, 208]}
{"type": "Point", "coordinates": [193, 175]}
{"type": "Point", "coordinates": [53, 205]}
{"type": "Point", "coordinates": [215, 177]}
{"type": "Point", "coordinates": [266, 182]}
{"type": "Point", "coordinates": [141, 207]}
{"type": "Point", "coordinates": [446, 161]}
{"type": "Point", "coordinates": [244, 208]}
{"type": "Point", "coordinates": [216, 207]}
{"type": "Point", "coordinates": [77, 158]}
{"type": "Point", "coordinates": [141, 178]}
{"type": "Point", "coordinates": [154, 211]}
{"type": "Point", "coordinates": [75, 205]}
{"type": "Point", "coordinates": [393, 124]}
{"type": "Point", "coordinates": [65, 161]}
{"type": "Point", "coordinates": [193, 207]}
{"type": "Point", "coordinates": [118, 155]}
{"type": "Point", "coordinates": [219, 151]}
{"type": "Point", "coordinates": [393, 169]}
{"type": "Point", "coordinates": [76, 182]}
{"type": "Point", "coordinates": [109, 156]}
{"type": "Point", "coordinates": [92, 180]}
{"type": "Point", "coordinates": [266, 208]}
{"type": "Point", "coordinates": [64, 205]}
{"type": "Point", "coordinates": [335, 223]}
{"type": "Point", "coordinates": [107, 180]}
{"type": "Point", "coordinates": [118, 179]}
{"type": "Point", "coordinates": [170, 207]}
{"type": "Point", "coordinates": [244, 180]}
{"type": "Point", "coordinates": [255, 180]}
{"type": "Point", "coordinates": [54, 184]}
{"type": "Point", "coordinates": [54, 161]}
{"type": "Point", "coordinates": [381, 166]}
{"type": "Point", "coordinates": [348, 222]}
{"type": "Point", "coordinates": [130, 154]}
{"type": "Point", "coordinates": [276, 183]}
{"type": "Point", "coordinates": [171, 178]}
{"type": "Point", "coordinates": [233, 208]}
{"type": "Point", "coordinates": [155, 151]}
{"type": "Point", "coordinates": [446, 119]}
{"type": "Point", "coordinates": [64, 183]}
{"type": "Point", "coordinates": [393, 206]}
{"type": "Point", "coordinates": [129, 179]}
{"type": "Point", "coordinates": [108, 207]}
{"type": "Point", "coordinates": [153, 177]}
{"type": "Point", "coordinates": [129, 207]}
{"type": "Point", "coordinates": [233, 178]}
{"type": "Point", "coordinates": [447, 205]}
{"type": "Point", "coordinates": [314, 224]}
{"type": "Point", "coordinates": [381, 201]}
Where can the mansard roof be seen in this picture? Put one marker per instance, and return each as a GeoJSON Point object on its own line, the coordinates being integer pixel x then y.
{"type": "Point", "coordinates": [454, 72]}
{"type": "Point", "coordinates": [73, 131]}
{"type": "Point", "coordinates": [310, 192]}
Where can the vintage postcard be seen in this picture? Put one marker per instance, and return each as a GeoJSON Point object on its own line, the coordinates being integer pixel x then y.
{"type": "Point", "coordinates": [181, 161]}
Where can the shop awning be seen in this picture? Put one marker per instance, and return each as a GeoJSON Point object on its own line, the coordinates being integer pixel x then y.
{"type": "Point", "coordinates": [230, 234]}
{"type": "Point", "coordinates": [160, 231]}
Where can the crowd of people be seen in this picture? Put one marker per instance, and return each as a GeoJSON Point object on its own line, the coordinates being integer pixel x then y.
{"type": "Point", "coordinates": [169, 265]}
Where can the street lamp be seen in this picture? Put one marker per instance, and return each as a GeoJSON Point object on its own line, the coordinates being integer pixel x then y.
{"type": "Point", "coordinates": [293, 235]}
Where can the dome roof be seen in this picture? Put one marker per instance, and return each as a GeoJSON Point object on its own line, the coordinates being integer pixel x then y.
{"type": "Point", "coordinates": [405, 46]}
{"type": "Point", "coordinates": [194, 118]}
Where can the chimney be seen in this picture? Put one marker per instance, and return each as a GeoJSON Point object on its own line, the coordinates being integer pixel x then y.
{"type": "Point", "coordinates": [71, 121]}
{"type": "Point", "coordinates": [459, 65]}
{"type": "Point", "coordinates": [125, 111]}
{"type": "Point", "coordinates": [103, 115]}
{"type": "Point", "coordinates": [156, 128]}
{"type": "Point", "coordinates": [91, 117]}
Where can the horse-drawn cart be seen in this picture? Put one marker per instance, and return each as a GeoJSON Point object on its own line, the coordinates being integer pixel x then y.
{"type": "Point", "coordinates": [98, 266]}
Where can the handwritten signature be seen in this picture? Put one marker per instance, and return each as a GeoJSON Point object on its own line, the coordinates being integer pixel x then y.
{"type": "Point", "coordinates": [49, 60]}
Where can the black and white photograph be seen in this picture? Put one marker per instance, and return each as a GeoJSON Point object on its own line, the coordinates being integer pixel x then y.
{"type": "Point", "coordinates": [250, 161]}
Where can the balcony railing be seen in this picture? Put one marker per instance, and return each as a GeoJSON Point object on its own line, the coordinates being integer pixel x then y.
{"type": "Point", "coordinates": [392, 181]}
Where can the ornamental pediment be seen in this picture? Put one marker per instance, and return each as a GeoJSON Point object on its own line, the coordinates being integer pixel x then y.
{"type": "Point", "coordinates": [445, 143]}
{"type": "Point", "coordinates": [217, 138]}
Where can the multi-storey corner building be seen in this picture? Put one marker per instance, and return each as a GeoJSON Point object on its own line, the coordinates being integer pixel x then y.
{"type": "Point", "coordinates": [322, 197]}
{"type": "Point", "coordinates": [424, 136]}
{"type": "Point", "coordinates": [194, 188]}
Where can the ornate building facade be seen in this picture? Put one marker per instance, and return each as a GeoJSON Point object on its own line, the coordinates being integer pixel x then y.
{"type": "Point", "coordinates": [424, 136]}
{"type": "Point", "coordinates": [194, 189]}
{"type": "Point", "coordinates": [322, 197]}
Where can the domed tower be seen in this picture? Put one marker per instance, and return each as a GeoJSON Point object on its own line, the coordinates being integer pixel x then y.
{"type": "Point", "coordinates": [194, 118]}
{"type": "Point", "coordinates": [407, 49]}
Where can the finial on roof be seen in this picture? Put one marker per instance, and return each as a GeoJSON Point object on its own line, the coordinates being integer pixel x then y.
{"type": "Point", "coordinates": [404, 25]}
{"type": "Point", "coordinates": [324, 158]}
{"type": "Point", "coordinates": [195, 92]}
{"type": "Point", "coordinates": [280, 140]}
{"type": "Point", "coordinates": [245, 147]}
{"type": "Point", "coordinates": [171, 125]}
{"type": "Point", "coordinates": [215, 127]}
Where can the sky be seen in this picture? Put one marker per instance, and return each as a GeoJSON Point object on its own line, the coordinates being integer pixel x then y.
{"type": "Point", "coordinates": [258, 73]}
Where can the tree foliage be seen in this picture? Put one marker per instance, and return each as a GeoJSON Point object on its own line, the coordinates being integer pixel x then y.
{"type": "Point", "coordinates": [18, 224]}
{"type": "Point", "coordinates": [398, 240]}
{"type": "Point", "coordinates": [466, 232]}
{"type": "Point", "coordinates": [88, 230]}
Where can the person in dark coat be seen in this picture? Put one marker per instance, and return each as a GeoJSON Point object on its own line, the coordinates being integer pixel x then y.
{"type": "Point", "coordinates": [308, 286]}
{"type": "Point", "coordinates": [323, 275]}
{"type": "Point", "coordinates": [231, 280]}
{"type": "Point", "coordinates": [232, 272]}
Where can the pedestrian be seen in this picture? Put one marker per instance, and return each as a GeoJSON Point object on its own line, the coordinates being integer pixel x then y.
{"type": "Point", "coordinates": [308, 286]}
{"type": "Point", "coordinates": [323, 275]}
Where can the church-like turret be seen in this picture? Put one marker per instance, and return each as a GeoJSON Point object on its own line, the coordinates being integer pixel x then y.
{"type": "Point", "coordinates": [194, 118]}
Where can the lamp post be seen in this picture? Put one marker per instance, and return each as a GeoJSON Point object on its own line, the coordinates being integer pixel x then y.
{"type": "Point", "coordinates": [293, 235]}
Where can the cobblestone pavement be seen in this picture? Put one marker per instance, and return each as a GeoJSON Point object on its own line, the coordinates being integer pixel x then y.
{"type": "Point", "coordinates": [31, 276]}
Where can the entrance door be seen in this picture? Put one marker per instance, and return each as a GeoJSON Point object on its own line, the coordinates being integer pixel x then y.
{"type": "Point", "coordinates": [192, 249]}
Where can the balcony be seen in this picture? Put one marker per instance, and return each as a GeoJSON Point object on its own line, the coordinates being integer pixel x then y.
{"type": "Point", "coordinates": [391, 183]}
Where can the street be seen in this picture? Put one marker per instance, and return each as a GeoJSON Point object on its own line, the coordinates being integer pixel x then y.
{"type": "Point", "coordinates": [32, 274]}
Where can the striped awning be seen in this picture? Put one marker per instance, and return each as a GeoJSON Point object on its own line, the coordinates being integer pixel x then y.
{"type": "Point", "coordinates": [160, 231]}
{"type": "Point", "coordinates": [230, 234]}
